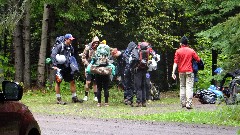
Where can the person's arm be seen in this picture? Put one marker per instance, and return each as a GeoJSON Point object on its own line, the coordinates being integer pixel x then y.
{"type": "Point", "coordinates": [173, 71]}
{"type": "Point", "coordinates": [84, 56]}
{"type": "Point", "coordinates": [196, 57]}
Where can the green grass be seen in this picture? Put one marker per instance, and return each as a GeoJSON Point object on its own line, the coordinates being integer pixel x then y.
{"type": "Point", "coordinates": [167, 109]}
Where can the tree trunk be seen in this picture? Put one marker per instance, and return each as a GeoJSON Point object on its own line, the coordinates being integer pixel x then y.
{"type": "Point", "coordinates": [26, 42]}
{"type": "Point", "coordinates": [18, 52]}
{"type": "Point", "coordinates": [42, 53]}
{"type": "Point", "coordinates": [52, 30]}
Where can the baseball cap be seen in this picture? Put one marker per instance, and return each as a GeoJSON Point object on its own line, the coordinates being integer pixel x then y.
{"type": "Point", "coordinates": [69, 36]}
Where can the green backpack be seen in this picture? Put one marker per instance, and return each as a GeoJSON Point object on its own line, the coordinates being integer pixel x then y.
{"type": "Point", "coordinates": [102, 55]}
{"type": "Point", "coordinates": [100, 63]}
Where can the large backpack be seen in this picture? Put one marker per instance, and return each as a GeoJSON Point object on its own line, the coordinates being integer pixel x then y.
{"type": "Point", "coordinates": [102, 55]}
{"type": "Point", "coordinates": [127, 53]}
{"type": "Point", "coordinates": [154, 92]}
{"type": "Point", "coordinates": [101, 64]}
{"type": "Point", "coordinates": [59, 40]}
{"type": "Point", "coordinates": [141, 55]}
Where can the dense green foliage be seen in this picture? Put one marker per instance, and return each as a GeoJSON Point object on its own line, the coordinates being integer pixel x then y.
{"type": "Point", "coordinates": [209, 25]}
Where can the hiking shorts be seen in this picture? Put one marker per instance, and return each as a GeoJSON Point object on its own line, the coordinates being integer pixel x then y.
{"type": "Point", "coordinates": [90, 77]}
{"type": "Point", "coordinates": [66, 74]}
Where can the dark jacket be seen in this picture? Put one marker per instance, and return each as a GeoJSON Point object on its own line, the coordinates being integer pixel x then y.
{"type": "Point", "coordinates": [67, 51]}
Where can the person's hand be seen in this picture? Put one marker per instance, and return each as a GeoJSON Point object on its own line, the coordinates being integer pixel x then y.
{"type": "Point", "coordinates": [173, 76]}
{"type": "Point", "coordinates": [86, 63]}
{"type": "Point", "coordinates": [55, 68]}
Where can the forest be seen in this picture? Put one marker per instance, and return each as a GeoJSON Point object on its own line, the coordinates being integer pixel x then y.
{"type": "Point", "coordinates": [28, 29]}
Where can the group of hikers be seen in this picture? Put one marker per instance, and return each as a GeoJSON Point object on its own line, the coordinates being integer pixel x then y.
{"type": "Point", "coordinates": [101, 62]}
{"type": "Point", "coordinates": [132, 65]}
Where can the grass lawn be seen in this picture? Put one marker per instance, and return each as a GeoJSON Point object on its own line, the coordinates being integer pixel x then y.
{"type": "Point", "coordinates": [166, 109]}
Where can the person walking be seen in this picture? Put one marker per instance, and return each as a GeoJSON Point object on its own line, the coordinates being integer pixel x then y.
{"type": "Point", "coordinates": [140, 64]}
{"type": "Point", "coordinates": [61, 64]}
{"type": "Point", "coordinates": [87, 55]}
{"type": "Point", "coordinates": [183, 60]}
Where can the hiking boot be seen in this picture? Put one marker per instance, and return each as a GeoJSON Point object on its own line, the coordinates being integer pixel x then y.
{"type": "Point", "coordinates": [95, 99]}
{"type": "Point", "coordinates": [183, 105]}
{"type": "Point", "coordinates": [189, 106]}
{"type": "Point", "coordinates": [130, 103]}
{"type": "Point", "coordinates": [139, 105]}
{"type": "Point", "coordinates": [144, 104]}
{"type": "Point", "coordinates": [106, 104]}
{"type": "Point", "coordinates": [125, 101]}
{"type": "Point", "coordinates": [59, 101]}
{"type": "Point", "coordinates": [99, 105]}
{"type": "Point", "coordinates": [75, 100]}
{"type": "Point", "coordinates": [85, 98]}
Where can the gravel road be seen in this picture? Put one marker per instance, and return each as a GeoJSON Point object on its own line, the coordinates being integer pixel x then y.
{"type": "Point", "coordinates": [70, 125]}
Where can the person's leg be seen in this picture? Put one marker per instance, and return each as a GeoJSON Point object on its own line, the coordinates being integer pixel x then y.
{"type": "Point", "coordinates": [87, 85]}
{"type": "Point", "coordinates": [70, 78]}
{"type": "Point", "coordinates": [72, 86]}
{"type": "Point", "coordinates": [189, 89]}
{"type": "Point", "coordinates": [143, 87]}
{"type": "Point", "coordinates": [99, 88]}
{"type": "Point", "coordinates": [106, 80]}
{"type": "Point", "coordinates": [182, 79]}
{"type": "Point", "coordinates": [57, 89]}
{"type": "Point", "coordinates": [94, 88]}
{"type": "Point", "coordinates": [58, 94]}
{"type": "Point", "coordinates": [128, 86]}
{"type": "Point", "coordinates": [138, 85]}
{"type": "Point", "coordinates": [147, 87]}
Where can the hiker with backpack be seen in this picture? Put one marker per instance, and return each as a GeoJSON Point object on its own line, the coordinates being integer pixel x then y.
{"type": "Point", "coordinates": [129, 90]}
{"type": "Point", "coordinates": [140, 64]}
{"type": "Point", "coordinates": [61, 56]}
{"type": "Point", "coordinates": [183, 60]}
{"type": "Point", "coordinates": [86, 56]}
{"type": "Point", "coordinates": [102, 67]}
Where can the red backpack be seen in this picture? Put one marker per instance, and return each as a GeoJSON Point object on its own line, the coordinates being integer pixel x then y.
{"type": "Point", "coordinates": [145, 50]}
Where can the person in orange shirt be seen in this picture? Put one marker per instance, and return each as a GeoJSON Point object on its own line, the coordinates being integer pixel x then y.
{"type": "Point", "coordinates": [183, 60]}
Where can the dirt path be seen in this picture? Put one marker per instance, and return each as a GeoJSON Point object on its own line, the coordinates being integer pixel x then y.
{"type": "Point", "coordinates": [69, 125]}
